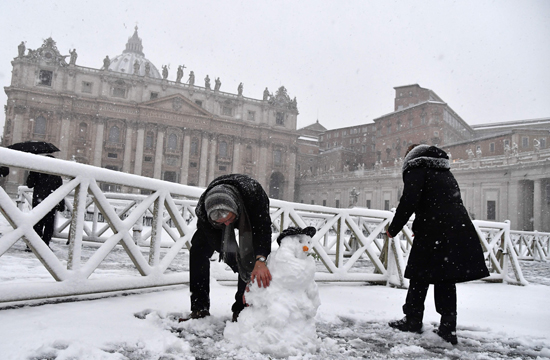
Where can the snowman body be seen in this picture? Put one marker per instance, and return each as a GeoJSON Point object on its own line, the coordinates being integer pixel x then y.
{"type": "Point", "coordinates": [280, 319]}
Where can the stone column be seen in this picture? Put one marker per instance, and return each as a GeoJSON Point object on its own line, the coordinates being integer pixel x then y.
{"type": "Point", "coordinates": [478, 205]}
{"type": "Point", "coordinates": [158, 152]}
{"type": "Point", "coordinates": [18, 122]}
{"type": "Point", "coordinates": [537, 205]}
{"type": "Point", "coordinates": [204, 159]}
{"type": "Point", "coordinates": [212, 159]}
{"type": "Point", "coordinates": [262, 164]}
{"type": "Point", "coordinates": [140, 143]}
{"type": "Point", "coordinates": [126, 164]}
{"type": "Point", "coordinates": [98, 146]}
{"type": "Point", "coordinates": [184, 174]}
{"type": "Point", "coordinates": [291, 173]}
{"type": "Point", "coordinates": [515, 213]}
{"type": "Point", "coordinates": [65, 135]}
{"type": "Point", "coordinates": [236, 166]}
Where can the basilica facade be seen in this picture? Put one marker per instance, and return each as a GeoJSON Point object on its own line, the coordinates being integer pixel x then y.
{"type": "Point", "coordinates": [127, 116]}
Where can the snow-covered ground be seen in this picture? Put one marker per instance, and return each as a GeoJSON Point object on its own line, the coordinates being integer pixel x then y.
{"type": "Point", "coordinates": [495, 321]}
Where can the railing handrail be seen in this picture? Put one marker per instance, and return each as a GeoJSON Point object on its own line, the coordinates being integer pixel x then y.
{"type": "Point", "coordinates": [344, 236]}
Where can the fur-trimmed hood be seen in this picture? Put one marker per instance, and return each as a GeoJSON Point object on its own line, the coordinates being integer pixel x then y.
{"type": "Point", "coordinates": [426, 156]}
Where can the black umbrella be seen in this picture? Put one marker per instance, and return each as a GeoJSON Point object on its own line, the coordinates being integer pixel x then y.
{"type": "Point", "coordinates": [35, 147]}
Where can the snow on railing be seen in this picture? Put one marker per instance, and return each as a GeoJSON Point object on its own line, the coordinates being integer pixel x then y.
{"type": "Point", "coordinates": [531, 245]}
{"type": "Point", "coordinates": [499, 251]}
{"type": "Point", "coordinates": [351, 244]}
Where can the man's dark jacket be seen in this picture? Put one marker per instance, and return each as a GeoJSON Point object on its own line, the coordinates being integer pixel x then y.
{"type": "Point", "coordinates": [446, 247]}
{"type": "Point", "coordinates": [44, 185]}
{"type": "Point", "coordinates": [256, 203]}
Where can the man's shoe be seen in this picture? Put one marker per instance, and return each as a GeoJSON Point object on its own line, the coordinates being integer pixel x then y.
{"type": "Point", "coordinates": [449, 337]}
{"type": "Point", "coordinates": [235, 316]}
{"type": "Point", "coordinates": [407, 324]}
{"type": "Point", "coordinates": [196, 314]}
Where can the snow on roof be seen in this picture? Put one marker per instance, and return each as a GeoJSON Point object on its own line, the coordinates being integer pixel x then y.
{"type": "Point", "coordinates": [410, 107]}
{"type": "Point", "coordinates": [308, 138]}
{"type": "Point", "coordinates": [516, 123]}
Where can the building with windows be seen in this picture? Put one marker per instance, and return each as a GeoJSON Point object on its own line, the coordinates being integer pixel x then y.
{"type": "Point", "coordinates": [503, 169]}
{"type": "Point", "coordinates": [128, 116]}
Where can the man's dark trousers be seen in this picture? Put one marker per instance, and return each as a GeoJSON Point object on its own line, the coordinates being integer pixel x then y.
{"type": "Point", "coordinates": [199, 277]}
{"type": "Point", "coordinates": [44, 228]}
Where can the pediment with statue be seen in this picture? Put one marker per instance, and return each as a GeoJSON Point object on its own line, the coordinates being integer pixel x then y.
{"type": "Point", "coordinates": [177, 103]}
{"type": "Point", "coordinates": [47, 53]}
{"type": "Point", "coordinates": [281, 99]}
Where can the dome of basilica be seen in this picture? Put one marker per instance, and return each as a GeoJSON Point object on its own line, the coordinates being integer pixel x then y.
{"type": "Point", "coordinates": [126, 62]}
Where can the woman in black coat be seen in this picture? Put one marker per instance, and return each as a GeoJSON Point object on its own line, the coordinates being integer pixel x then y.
{"type": "Point", "coordinates": [446, 248]}
{"type": "Point", "coordinates": [230, 202]}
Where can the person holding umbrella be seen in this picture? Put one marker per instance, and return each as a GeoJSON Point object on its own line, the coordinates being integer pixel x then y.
{"type": "Point", "coordinates": [33, 147]}
{"type": "Point", "coordinates": [44, 185]}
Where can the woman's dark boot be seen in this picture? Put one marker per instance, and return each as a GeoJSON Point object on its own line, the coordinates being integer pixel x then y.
{"type": "Point", "coordinates": [408, 323]}
{"type": "Point", "coordinates": [447, 329]}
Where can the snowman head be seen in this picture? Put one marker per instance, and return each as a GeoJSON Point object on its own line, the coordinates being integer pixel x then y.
{"type": "Point", "coordinates": [299, 239]}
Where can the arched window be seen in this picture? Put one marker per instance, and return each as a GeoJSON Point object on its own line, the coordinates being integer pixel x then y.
{"type": "Point", "coordinates": [194, 147]}
{"type": "Point", "coordinates": [223, 149]}
{"type": "Point", "coordinates": [149, 140]}
{"type": "Point", "coordinates": [276, 185]}
{"type": "Point", "coordinates": [248, 154]}
{"type": "Point", "coordinates": [172, 142]}
{"type": "Point", "coordinates": [277, 157]}
{"type": "Point", "coordinates": [40, 125]}
{"type": "Point", "coordinates": [114, 134]}
{"type": "Point", "coordinates": [83, 131]}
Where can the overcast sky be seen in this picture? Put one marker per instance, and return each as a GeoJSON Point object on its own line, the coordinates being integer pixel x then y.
{"type": "Point", "coordinates": [489, 60]}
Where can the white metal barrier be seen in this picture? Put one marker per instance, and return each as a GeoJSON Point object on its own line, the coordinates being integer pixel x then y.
{"type": "Point", "coordinates": [346, 240]}
{"type": "Point", "coordinates": [531, 245]}
{"type": "Point", "coordinates": [499, 251]}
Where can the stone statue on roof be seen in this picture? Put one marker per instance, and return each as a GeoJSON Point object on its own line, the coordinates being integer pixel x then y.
{"type": "Point", "coordinates": [179, 73]}
{"type": "Point", "coordinates": [74, 55]}
{"type": "Point", "coordinates": [106, 63]}
{"type": "Point", "coordinates": [21, 49]}
{"type": "Point", "coordinates": [191, 80]}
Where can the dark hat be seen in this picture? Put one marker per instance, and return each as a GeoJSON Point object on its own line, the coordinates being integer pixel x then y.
{"type": "Point", "coordinates": [309, 231]}
{"type": "Point", "coordinates": [220, 197]}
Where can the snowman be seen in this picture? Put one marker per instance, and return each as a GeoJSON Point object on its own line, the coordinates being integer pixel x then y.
{"type": "Point", "coordinates": [280, 319]}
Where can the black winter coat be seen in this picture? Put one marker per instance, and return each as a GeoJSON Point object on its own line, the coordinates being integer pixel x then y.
{"type": "Point", "coordinates": [44, 185]}
{"type": "Point", "coordinates": [446, 247]}
{"type": "Point", "coordinates": [256, 202]}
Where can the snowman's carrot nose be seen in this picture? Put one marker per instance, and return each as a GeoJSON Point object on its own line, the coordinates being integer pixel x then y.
{"type": "Point", "coordinates": [305, 248]}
